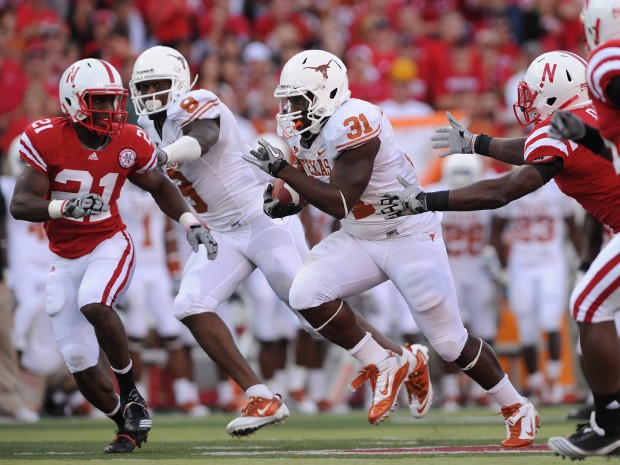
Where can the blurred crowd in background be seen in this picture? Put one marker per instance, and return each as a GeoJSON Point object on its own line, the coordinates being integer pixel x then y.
{"type": "Point", "coordinates": [414, 58]}
{"type": "Point", "coordinates": [448, 54]}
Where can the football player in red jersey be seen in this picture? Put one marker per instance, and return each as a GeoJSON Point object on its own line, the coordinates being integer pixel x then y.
{"type": "Point", "coordinates": [598, 300]}
{"type": "Point", "coordinates": [76, 166]}
{"type": "Point", "coordinates": [554, 81]}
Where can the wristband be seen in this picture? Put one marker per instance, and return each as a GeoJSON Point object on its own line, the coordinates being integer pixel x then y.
{"type": "Point", "coordinates": [437, 201]}
{"type": "Point", "coordinates": [481, 144]}
{"type": "Point", "coordinates": [187, 220]}
{"type": "Point", "coordinates": [55, 208]}
{"type": "Point", "coordinates": [185, 149]}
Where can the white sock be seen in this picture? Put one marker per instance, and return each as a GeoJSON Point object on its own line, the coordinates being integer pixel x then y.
{"type": "Point", "coordinates": [142, 389]}
{"type": "Point", "coordinates": [554, 370]}
{"type": "Point", "coordinates": [297, 376]}
{"type": "Point", "coordinates": [184, 391]}
{"type": "Point", "coordinates": [450, 386]}
{"type": "Point", "coordinates": [225, 392]}
{"type": "Point", "coordinates": [504, 393]}
{"type": "Point", "coordinates": [368, 351]}
{"type": "Point", "coordinates": [317, 384]}
{"type": "Point", "coordinates": [259, 390]}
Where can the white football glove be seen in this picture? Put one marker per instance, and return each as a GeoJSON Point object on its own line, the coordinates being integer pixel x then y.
{"type": "Point", "coordinates": [566, 125]}
{"type": "Point", "coordinates": [84, 205]}
{"type": "Point", "coordinates": [198, 234]}
{"type": "Point", "coordinates": [411, 201]}
{"type": "Point", "coordinates": [455, 138]}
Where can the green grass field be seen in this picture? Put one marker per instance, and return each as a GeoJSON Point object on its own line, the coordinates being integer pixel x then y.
{"type": "Point", "coordinates": [320, 439]}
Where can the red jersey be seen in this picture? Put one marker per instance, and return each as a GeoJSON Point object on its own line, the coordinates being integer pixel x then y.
{"type": "Point", "coordinates": [51, 146]}
{"type": "Point", "coordinates": [603, 66]}
{"type": "Point", "coordinates": [586, 177]}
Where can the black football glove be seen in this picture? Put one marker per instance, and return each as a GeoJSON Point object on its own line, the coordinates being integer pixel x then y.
{"type": "Point", "coordinates": [272, 207]}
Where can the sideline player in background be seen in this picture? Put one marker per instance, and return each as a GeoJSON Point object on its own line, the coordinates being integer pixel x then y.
{"type": "Point", "coordinates": [150, 298]}
{"type": "Point", "coordinates": [346, 147]}
{"type": "Point", "coordinates": [530, 236]}
{"type": "Point", "coordinates": [554, 80]}
{"type": "Point", "coordinates": [77, 165]}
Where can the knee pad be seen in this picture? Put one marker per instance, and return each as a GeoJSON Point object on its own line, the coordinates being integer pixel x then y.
{"type": "Point", "coordinates": [449, 348]}
{"type": "Point", "coordinates": [185, 305]}
{"type": "Point", "coordinates": [78, 357]}
{"type": "Point", "coordinates": [425, 287]}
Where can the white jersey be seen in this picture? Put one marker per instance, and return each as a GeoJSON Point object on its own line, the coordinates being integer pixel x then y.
{"type": "Point", "coordinates": [354, 123]}
{"type": "Point", "coordinates": [146, 223]}
{"type": "Point", "coordinates": [465, 234]}
{"type": "Point", "coordinates": [27, 244]}
{"type": "Point", "coordinates": [223, 188]}
{"type": "Point", "coordinates": [537, 226]}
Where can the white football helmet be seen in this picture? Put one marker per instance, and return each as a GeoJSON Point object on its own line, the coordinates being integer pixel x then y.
{"type": "Point", "coordinates": [157, 64]}
{"type": "Point", "coordinates": [600, 21]}
{"type": "Point", "coordinates": [85, 79]}
{"type": "Point", "coordinates": [321, 79]}
{"type": "Point", "coordinates": [461, 170]}
{"type": "Point", "coordinates": [553, 81]}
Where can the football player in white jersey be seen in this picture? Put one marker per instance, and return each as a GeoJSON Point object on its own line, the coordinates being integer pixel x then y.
{"type": "Point", "coordinates": [149, 298]}
{"type": "Point", "coordinates": [346, 147]}
{"type": "Point", "coordinates": [201, 149]}
{"type": "Point", "coordinates": [533, 252]}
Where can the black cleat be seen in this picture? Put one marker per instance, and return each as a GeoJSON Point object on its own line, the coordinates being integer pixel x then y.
{"type": "Point", "coordinates": [137, 418]}
{"type": "Point", "coordinates": [590, 440]}
{"type": "Point", "coordinates": [124, 443]}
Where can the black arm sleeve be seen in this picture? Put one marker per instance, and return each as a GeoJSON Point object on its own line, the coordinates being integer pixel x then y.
{"type": "Point", "coordinates": [593, 140]}
{"type": "Point", "coordinates": [549, 170]}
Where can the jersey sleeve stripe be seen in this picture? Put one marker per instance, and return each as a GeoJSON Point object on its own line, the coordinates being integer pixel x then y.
{"type": "Point", "coordinates": [200, 111]}
{"type": "Point", "coordinates": [601, 62]}
{"type": "Point", "coordinates": [549, 146]}
{"type": "Point", "coordinates": [150, 164]}
{"type": "Point", "coordinates": [359, 140]}
{"type": "Point", "coordinates": [31, 153]}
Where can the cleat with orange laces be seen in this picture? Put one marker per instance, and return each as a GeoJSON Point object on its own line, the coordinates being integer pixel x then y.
{"type": "Point", "coordinates": [418, 383]}
{"type": "Point", "coordinates": [125, 442]}
{"type": "Point", "coordinates": [385, 380]}
{"type": "Point", "coordinates": [522, 422]}
{"type": "Point", "coordinates": [257, 413]}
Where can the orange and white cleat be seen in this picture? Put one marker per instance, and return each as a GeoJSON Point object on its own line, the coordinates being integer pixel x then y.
{"type": "Point", "coordinates": [522, 422]}
{"type": "Point", "coordinates": [257, 413]}
{"type": "Point", "coordinates": [385, 380]}
{"type": "Point", "coordinates": [418, 383]}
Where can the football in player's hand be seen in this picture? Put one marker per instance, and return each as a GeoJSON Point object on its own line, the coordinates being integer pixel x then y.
{"type": "Point", "coordinates": [286, 193]}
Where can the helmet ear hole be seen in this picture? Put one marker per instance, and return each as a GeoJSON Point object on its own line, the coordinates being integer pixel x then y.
{"type": "Point", "coordinates": [551, 101]}
{"type": "Point", "coordinates": [332, 94]}
{"type": "Point", "coordinates": [568, 76]}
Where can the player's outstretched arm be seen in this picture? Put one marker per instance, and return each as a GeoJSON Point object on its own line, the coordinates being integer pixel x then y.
{"type": "Point", "coordinates": [29, 202]}
{"type": "Point", "coordinates": [456, 139]}
{"type": "Point", "coordinates": [483, 195]}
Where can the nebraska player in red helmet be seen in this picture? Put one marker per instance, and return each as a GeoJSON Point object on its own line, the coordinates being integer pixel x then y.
{"type": "Point", "coordinates": [596, 298]}
{"type": "Point", "coordinates": [76, 166]}
{"type": "Point", "coordinates": [554, 81]}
